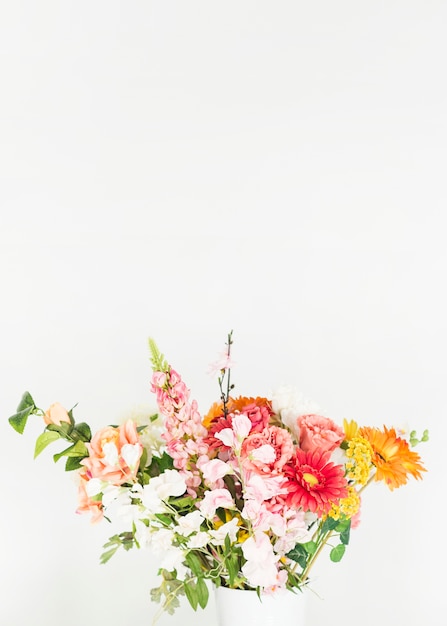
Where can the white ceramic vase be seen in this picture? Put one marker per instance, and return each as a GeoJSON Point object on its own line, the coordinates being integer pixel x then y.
{"type": "Point", "coordinates": [235, 607]}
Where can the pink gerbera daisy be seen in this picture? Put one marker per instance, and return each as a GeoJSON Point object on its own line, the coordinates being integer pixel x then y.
{"type": "Point", "coordinates": [314, 482]}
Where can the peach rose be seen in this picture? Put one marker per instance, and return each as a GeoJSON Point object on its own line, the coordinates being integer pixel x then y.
{"type": "Point", "coordinates": [114, 454]}
{"type": "Point", "coordinates": [318, 432]}
{"type": "Point", "coordinates": [56, 414]}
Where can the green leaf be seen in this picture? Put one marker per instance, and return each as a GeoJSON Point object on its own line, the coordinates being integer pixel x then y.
{"type": "Point", "coordinates": [159, 464]}
{"type": "Point", "coordinates": [345, 534]}
{"type": "Point", "coordinates": [232, 563]}
{"type": "Point", "coordinates": [106, 556]}
{"type": "Point", "coordinates": [170, 588]}
{"type": "Point", "coordinates": [73, 463]}
{"type": "Point", "coordinates": [143, 459]}
{"type": "Point", "coordinates": [165, 519]}
{"type": "Point", "coordinates": [64, 429]}
{"type": "Point", "coordinates": [336, 554]}
{"type": "Point", "coordinates": [82, 431]}
{"type": "Point", "coordinates": [329, 524]}
{"type": "Point", "coordinates": [191, 593]}
{"type": "Point", "coordinates": [310, 547]}
{"type": "Point", "coordinates": [26, 402]}
{"type": "Point", "coordinates": [43, 440]}
{"type": "Point", "coordinates": [298, 554]}
{"type": "Point", "coordinates": [76, 450]}
{"type": "Point", "coordinates": [25, 408]}
{"type": "Point", "coordinates": [343, 525]}
{"type": "Point", "coordinates": [202, 592]}
{"type": "Point", "coordinates": [182, 503]}
{"type": "Point", "coordinates": [194, 564]}
{"type": "Point", "coordinates": [18, 420]}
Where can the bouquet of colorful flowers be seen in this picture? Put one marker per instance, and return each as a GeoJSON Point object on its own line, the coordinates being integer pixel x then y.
{"type": "Point", "coordinates": [246, 496]}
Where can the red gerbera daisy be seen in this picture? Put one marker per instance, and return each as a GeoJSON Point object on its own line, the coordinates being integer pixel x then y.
{"type": "Point", "coordinates": [314, 482]}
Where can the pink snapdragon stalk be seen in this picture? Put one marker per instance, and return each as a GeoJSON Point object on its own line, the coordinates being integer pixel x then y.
{"type": "Point", "coordinates": [184, 432]}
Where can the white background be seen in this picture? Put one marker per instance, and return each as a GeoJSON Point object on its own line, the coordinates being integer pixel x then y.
{"type": "Point", "coordinates": [179, 169]}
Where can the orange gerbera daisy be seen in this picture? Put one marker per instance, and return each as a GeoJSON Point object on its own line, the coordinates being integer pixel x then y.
{"type": "Point", "coordinates": [314, 483]}
{"type": "Point", "coordinates": [392, 456]}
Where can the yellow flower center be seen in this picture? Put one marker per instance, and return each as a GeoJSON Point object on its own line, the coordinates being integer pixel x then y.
{"type": "Point", "coordinates": [310, 478]}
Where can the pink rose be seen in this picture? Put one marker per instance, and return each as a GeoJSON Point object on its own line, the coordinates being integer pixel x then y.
{"type": "Point", "coordinates": [114, 454]}
{"type": "Point", "coordinates": [318, 432]}
{"type": "Point", "coordinates": [56, 414]}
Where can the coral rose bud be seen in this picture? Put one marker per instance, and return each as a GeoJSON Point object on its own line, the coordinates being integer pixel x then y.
{"type": "Point", "coordinates": [56, 414]}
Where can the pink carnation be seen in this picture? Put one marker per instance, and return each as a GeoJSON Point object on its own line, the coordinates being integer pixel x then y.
{"type": "Point", "coordinates": [318, 433]}
{"type": "Point", "coordinates": [259, 415]}
{"type": "Point", "coordinates": [278, 439]}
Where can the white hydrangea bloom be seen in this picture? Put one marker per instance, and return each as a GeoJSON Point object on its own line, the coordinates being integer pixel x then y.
{"type": "Point", "coordinates": [289, 403]}
{"type": "Point", "coordinates": [144, 415]}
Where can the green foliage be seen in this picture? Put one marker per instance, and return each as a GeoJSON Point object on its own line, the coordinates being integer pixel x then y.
{"type": "Point", "coordinates": [64, 429]}
{"type": "Point", "coordinates": [81, 432]}
{"type": "Point", "coordinates": [26, 401]}
{"type": "Point", "coordinates": [43, 440]}
{"type": "Point", "coordinates": [73, 463]}
{"type": "Point", "coordinates": [25, 408]}
{"type": "Point", "coordinates": [194, 563]}
{"type": "Point", "coordinates": [124, 540]}
{"type": "Point", "coordinates": [78, 450]}
{"type": "Point", "coordinates": [414, 440]}
{"type": "Point", "coordinates": [167, 593]}
{"type": "Point", "coordinates": [232, 561]}
{"type": "Point", "coordinates": [344, 528]}
{"type": "Point", "coordinates": [158, 360]}
{"type": "Point", "coordinates": [336, 554]}
{"type": "Point", "coordinates": [301, 552]}
{"type": "Point", "coordinates": [182, 504]}
{"type": "Point", "coordinates": [202, 592]}
{"type": "Point", "coordinates": [76, 434]}
{"type": "Point", "coordinates": [194, 588]}
{"type": "Point", "coordinates": [328, 525]}
{"type": "Point", "coordinates": [159, 464]}
{"type": "Point", "coordinates": [196, 591]}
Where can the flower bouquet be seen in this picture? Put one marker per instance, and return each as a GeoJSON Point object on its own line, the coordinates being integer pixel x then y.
{"type": "Point", "coordinates": [245, 497]}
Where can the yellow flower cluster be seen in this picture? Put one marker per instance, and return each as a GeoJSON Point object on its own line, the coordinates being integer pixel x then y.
{"type": "Point", "coordinates": [359, 467]}
{"type": "Point", "coordinates": [347, 507]}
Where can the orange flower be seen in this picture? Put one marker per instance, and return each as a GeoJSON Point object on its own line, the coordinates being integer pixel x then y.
{"type": "Point", "coordinates": [216, 411]}
{"type": "Point", "coordinates": [392, 456]}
